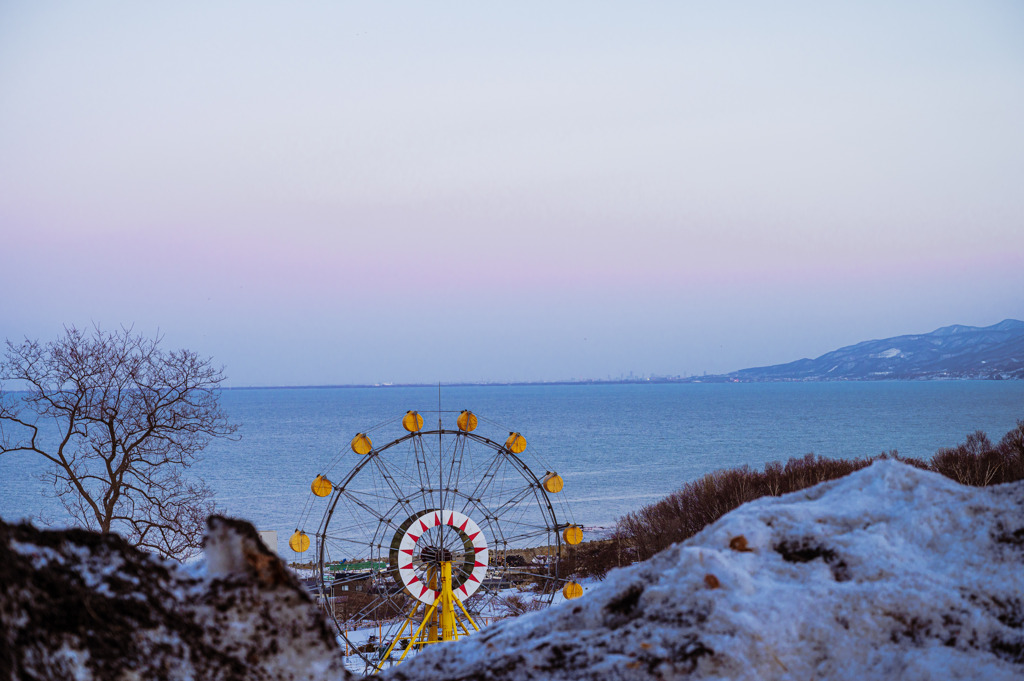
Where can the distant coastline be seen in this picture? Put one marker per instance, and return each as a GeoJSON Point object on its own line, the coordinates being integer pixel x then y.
{"type": "Point", "coordinates": [654, 380]}
{"type": "Point", "coordinates": [951, 353]}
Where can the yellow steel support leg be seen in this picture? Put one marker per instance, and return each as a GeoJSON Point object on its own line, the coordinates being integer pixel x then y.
{"type": "Point", "coordinates": [440, 621]}
{"type": "Point", "coordinates": [432, 636]}
{"type": "Point", "coordinates": [466, 613]}
{"type": "Point", "coordinates": [447, 609]}
{"type": "Point", "coordinates": [419, 632]}
{"type": "Point", "coordinates": [408, 622]}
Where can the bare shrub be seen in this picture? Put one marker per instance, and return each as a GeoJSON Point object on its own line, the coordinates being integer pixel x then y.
{"type": "Point", "coordinates": [596, 558]}
{"type": "Point", "coordinates": [697, 504]}
{"type": "Point", "coordinates": [517, 604]}
{"type": "Point", "coordinates": [1011, 449]}
{"type": "Point", "coordinates": [967, 464]}
{"type": "Point", "coordinates": [350, 606]}
{"type": "Point", "coordinates": [979, 463]}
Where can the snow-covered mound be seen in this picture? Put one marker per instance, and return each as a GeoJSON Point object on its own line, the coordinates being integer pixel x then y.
{"type": "Point", "coordinates": [81, 605]}
{"type": "Point", "coordinates": [889, 573]}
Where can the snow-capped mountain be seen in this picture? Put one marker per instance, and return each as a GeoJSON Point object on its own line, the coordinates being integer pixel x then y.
{"type": "Point", "coordinates": [990, 352]}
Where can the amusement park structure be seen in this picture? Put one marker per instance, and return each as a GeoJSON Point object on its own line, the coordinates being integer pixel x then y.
{"type": "Point", "coordinates": [425, 537]}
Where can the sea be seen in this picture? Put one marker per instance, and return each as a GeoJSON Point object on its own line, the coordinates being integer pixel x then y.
{"type": "Point", "coordinates": [616, 446]}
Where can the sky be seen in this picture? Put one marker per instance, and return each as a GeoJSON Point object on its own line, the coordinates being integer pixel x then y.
{"type": "Point", "coordinates": [333, 192]}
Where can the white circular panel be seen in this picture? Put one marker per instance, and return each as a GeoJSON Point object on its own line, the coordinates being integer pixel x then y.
{"type": "Point", "coordinates": [443, 527]}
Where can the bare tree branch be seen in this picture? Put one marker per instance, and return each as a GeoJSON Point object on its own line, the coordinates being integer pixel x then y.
{"type": "Point", "coordinates": [121, 421]}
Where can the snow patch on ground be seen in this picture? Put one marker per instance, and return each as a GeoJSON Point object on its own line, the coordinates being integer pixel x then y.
{"type": "Point", "coordinates": [891, 572]}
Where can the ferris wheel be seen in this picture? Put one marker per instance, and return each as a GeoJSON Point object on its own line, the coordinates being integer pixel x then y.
{"type": "Point", "coordinates": [427, 536]}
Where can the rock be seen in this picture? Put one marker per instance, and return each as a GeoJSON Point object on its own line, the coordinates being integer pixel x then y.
{"type": "Point", "coordinates": [889, 573]}
{"type": "Point", "coordinates": [82, 605]}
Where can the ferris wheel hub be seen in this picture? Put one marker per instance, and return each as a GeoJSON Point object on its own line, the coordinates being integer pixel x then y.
{"type": "Point", "coordinates": [435, 555]}
{"type": "Point", "coordinates": [437, 537]}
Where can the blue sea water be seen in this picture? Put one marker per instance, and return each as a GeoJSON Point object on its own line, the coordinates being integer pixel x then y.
{"type": "Point", "coordinates": [617, 446]}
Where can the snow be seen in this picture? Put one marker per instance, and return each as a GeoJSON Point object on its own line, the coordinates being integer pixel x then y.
{"type": "Point", "coordinates": [888, 354]}
{"type": "Point", "coordinates": [891, 572]}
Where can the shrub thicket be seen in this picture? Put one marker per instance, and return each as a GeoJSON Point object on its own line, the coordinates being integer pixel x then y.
{"type": "Point", "coordinates": [596, 558]}
{"type": "Point", "coordinates": [697, 504]}
{"type": "Point", "coordinates": [977, 462]}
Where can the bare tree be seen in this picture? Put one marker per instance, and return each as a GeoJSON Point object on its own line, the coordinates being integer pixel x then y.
{"type": "Point", "coordinates": [121, 421]}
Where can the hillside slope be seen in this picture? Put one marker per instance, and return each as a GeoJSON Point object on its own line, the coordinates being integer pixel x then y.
{"type": "Point", "coordinates": [990, 352]}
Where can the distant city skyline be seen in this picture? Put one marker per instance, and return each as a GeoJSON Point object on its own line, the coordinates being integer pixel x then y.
{"type": "Point", "coordinates": [343, 194]}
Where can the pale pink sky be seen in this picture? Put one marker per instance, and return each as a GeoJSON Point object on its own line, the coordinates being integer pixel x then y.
{"type": "Point", "coordinates": [332, 193]}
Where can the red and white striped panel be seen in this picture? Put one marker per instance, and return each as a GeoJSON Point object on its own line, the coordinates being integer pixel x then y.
{"type": "Point", "coordinates": [457, 522]}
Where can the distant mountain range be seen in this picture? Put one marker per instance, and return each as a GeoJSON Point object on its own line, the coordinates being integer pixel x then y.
{"type": "Point", "coordinates": [952, 352]}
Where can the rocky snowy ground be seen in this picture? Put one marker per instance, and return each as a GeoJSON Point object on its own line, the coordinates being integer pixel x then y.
{"type": "Point", "coordinates": [890, 573]}
{"type": "Point", "coordinates": [79, 605]}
